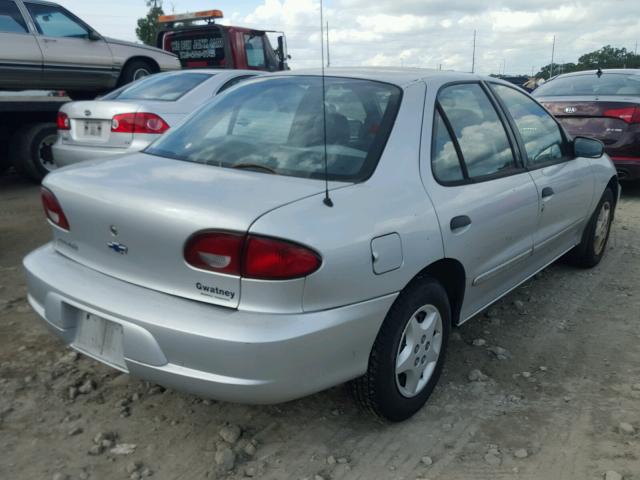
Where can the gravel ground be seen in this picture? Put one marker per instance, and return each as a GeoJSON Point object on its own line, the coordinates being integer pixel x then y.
{"type": "Point", "coordinates": [544, 385]}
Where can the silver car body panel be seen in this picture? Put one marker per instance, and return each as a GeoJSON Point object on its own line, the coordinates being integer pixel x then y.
{"type": "Point", "coordinates": [74, 146]}
{"type": "Point", "coordinates": [307, 333]}
{"type": "Point", "coordinates": [32, 60]}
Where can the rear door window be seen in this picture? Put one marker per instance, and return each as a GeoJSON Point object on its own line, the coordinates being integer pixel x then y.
{"type": "Point", "coordinates": [480, 134]}
{"type": "Point", "coordinates": [540, 134]}
{"type": "Point", "coordinates": [11, 20]}
{"type": "Point", "coordinates": [167, 87]}
{"type": "Point", "coordinates": [52, 21]}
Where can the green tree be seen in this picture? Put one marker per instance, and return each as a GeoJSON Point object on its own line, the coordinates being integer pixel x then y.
{"type": "Point", "coordinates": [148, 26]}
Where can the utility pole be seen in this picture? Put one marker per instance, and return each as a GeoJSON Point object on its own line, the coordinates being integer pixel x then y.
{"type": "Point", "coordinates": [504, 66]}
{"type": "Point", "coordinates": [553, 53]}
{"type": "Point", "coordinates": [532, 68]}
{"type": "Point", "coordinates": [440, 66]}
{"type": "Point", "coordinates": [328, 54]}
{"type": "Point", "coordinates": [473, 58]}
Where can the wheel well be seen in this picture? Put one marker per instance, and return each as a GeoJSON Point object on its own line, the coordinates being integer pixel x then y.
{"type": "Point", "coordinates": [450, 273]}
{"type": "Point", "coordinates": [149, 60]}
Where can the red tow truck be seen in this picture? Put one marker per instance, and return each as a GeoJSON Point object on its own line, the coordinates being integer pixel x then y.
{"type": "Point", "coordinates": [200, 42]}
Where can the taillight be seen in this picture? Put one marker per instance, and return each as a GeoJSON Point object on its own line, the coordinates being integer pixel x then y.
{"type": "Point", "coordinates": [216, 251]}
{"type": "Point", "coordinates": [627, 114]}
{"type": "Point", "coordinates": [139, 123]}
{"type": "Point", "coordinates": [63, 121]}
{"type": "Point", "coordinates": [273, 259]}
{"type": "Point", "coordinates": [53, 210]}
{"type": "Point", "coordinates": [250, 256]}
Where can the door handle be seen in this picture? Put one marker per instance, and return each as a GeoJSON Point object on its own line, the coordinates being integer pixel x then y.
{"type": "Point", "coordinates": [459, 222]}
{"type": "Point", "coordinates": [547, 192]}
{"type": "Point", "coordinates": [50, 40]}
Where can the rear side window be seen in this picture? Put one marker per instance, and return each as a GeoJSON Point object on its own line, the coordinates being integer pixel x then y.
{"type": "Point", "coordinates": [11, 20]}
{"type": "Point", "coordinates": [167, 87]}
{"type": "Point", "coordinates": [276, 124]}
{"type": "Point", "coordinates": [254, 47]}
{"type": "Point", "coordinates": [446, 163]}
{"type": "Point", "coordinates": [591, 84]}
{"type": "Point", "coordinates": [483, 141]}
{"type": "Point", "coordinates": [52, 21]}
{"type": "Point", "coordinates": [539, 132]}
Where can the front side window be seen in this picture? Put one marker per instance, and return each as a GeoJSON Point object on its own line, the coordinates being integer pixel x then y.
{"type": "Point", "coordinates": [277, 125]}
{"type": "Point", "coordinates": [52, 21]}
{"type": "Point", "coordinates": [483, 141]}
{"type": "Point", "coordinates": [539, 132]}
{"type": "Point", "coordinates": [11, 20]}
{"type": "Point", "coordinates": [165, 87]}
{"type": "Point", "coordinates": [591, 84]}
{"type": "Point", "coordinates": [254, 47]}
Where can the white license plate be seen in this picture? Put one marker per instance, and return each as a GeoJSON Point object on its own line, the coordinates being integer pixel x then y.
{"type": "Point", "coordinates": [101, 339]}
{"type": "Point", "coordinates": [92, 129]}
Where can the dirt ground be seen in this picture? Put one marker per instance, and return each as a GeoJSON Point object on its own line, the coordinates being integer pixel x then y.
{"type": "Point", "coordinates": [562, 402]}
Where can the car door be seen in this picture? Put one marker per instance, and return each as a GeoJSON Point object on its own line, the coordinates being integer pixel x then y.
{"type": "Point", "coordinates": [487, 203]}
{"type": "Point", "coordinates": [74, 55]}
{"type": "Point", "coordinates": [565, 184]}
{"type": "Point", "coordinates": [20, 55]}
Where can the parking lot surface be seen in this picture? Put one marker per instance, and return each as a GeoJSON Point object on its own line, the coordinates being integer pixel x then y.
{"type": "Point", "coordinates": [543, 385]}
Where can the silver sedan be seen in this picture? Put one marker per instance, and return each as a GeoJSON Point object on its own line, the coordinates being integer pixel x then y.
{"type": "Point", "coordinates": [299, 233]}
{"type": "Point", "coordinates": [130, 118]}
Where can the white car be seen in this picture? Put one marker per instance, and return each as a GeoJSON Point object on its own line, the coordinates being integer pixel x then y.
{"type": "Point", "coordinates": [130, 118]}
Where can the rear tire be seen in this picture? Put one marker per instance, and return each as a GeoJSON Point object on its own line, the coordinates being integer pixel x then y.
{"type": "Point", "coordinates": [135, 70]}
{"type": "Point", "coordinates": [30, 150]}
{"type": "Point", "coordinates": [397, 360]}
{"type": "Point", "coordinates": [591, 249]}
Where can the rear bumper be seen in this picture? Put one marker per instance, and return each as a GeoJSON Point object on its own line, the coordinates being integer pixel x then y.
{"type": "Point", "coordinates": [211, 351]}
{"type": "Point", "coordinates": [628, 167]}
{"type": "Point", "coordinates": [65, 154]}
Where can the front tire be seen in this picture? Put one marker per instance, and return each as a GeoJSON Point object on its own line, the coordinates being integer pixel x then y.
{"type": "Point", "coordinates": [408, 354]}
{"type": "Point", "coordinates": [596, 235]}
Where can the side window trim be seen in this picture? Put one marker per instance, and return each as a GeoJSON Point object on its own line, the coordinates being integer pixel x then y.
{"type": "Point", "coordinates": [25, 19]}
{"type": "Point", "coordinates": [64, 11]}
{"type": "Point", "coordinates": [232, 83]}
{"type": "Point", "coordinates": [519, 168]}
{"type": "Point", "coordinates": [456, 146]}
{"type": "Point", "coordinates": [520, 141]}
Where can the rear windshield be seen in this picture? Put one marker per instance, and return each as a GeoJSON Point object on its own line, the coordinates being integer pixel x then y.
{"type": "Point", "coordinates": [276, 125]}
{"type": "Point", "coordinates": [591, 84]}
{"type": "Point", "coordinates": [163, 87]}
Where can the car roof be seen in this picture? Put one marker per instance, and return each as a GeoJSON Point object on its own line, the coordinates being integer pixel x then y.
{"type": "Point", "coordinates": [215, 71]}
{"type": "Point", "coordinates": [627, 71]}
{"type": "Point", "coordinates": [394, 75]}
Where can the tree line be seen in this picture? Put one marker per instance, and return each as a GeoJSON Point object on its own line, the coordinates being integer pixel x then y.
{"type": "Point", "coordinates": [606, 57]}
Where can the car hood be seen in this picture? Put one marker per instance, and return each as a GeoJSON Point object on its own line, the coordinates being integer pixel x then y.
{"type": "Point", "coordinates": [114, 42]}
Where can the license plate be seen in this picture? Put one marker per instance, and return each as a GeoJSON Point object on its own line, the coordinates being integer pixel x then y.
{"type": "Point", "coordinates": [101, 339]}
{"type": "Point", "coordinates": [92, 129]}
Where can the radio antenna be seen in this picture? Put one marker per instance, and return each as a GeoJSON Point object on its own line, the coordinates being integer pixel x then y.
{"type": "Point", "coordinates": [327, 199]}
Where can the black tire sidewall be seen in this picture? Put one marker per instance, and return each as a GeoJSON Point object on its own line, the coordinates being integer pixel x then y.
{"type": "Point", "coordinates": [26, 151]}
{"type": "Point", "coordinates": [391, 404]}
{"type": "Point", "coordinates": [590, 258]}
{"type": "Point", "coordinates": [130, 69]}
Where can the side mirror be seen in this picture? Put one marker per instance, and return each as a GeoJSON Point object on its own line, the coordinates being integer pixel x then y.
{"type": "Point", "coordinates": [94, 36]}
{"type": "Point", "coordinates": [587, 147]}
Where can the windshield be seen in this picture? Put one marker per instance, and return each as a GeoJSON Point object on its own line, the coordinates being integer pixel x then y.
{"type": "Point", "coordinates": [276, 125]}
{"type": "Point", "coordinates": [165, 87]}
{"type": "Point", "coordinates": [591, 84]}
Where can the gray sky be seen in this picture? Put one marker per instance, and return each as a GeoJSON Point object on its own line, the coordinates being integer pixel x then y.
{"type": "Point", "coordinates": [424, 33]}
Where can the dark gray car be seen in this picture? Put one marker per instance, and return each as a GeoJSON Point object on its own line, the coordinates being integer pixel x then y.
{"type": "Point", "coordinates": [44, 46]}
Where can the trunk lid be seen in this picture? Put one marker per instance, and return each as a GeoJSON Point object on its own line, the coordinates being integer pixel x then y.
{"type": "Point", "coordinates": [91, 123]}
{"type": "Point", "coordinates": [604, 118]}
{"type": "Point", "coordinates": [131, 217]}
